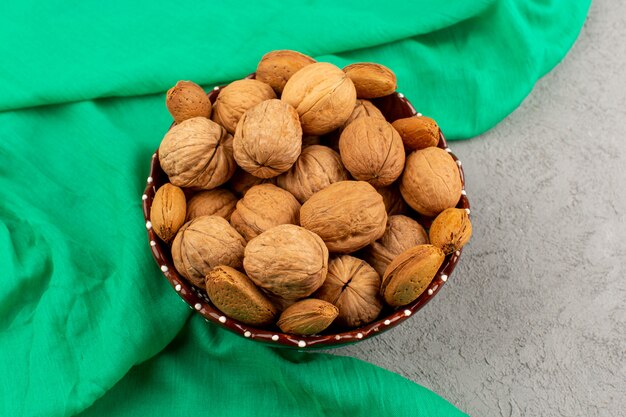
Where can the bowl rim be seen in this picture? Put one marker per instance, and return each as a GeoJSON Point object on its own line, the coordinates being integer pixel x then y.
{"type": "Point", "coordinates": [199, 301]}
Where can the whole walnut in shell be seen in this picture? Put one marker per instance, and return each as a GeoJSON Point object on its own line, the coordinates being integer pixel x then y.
{"type": "Point", "coordinates": [371, 80]}
{"type": "Point", "coordinates": [408, 276]}
{"type": "Point", "coordinates": [204, 243]}
{"type": "Point", "coordinates": [323, 96]}
{"type": "Point", "coordinates": [263, 207]}
{"type": "Point", "coordinates": [363, 108]}
{"type": "Point", "coordinates": [197, 153]}
{"type": "Point", "coordinates": [277, 67]}
{"type": "Point", "coordinates": [451, 230]}
{"type": "Point", "coordinates": [216, 202]}
{"type": "Point", "coordinates": [431, 181]}
{"type": "Point", "coordinates": [347, 215]}
{"type": "Point", "coordinates": [401, 234]}
{"type": "Point", "coordinates": [316, 168]}
{"type": "Point", "coordinates": [417, 132]}
{"type": "Point", "coordinates": [237, 97]}
{"type": "Point", "coordinates": [372, 151]}
{"type": "Point", "coordinates": [394, 203]}
{"type": "Point", "coordinates": [287, 260]}
{"type": "Point", "coordinates": [353, 287]}
{"type": "Point", "coordinates": [187, 100]}
{"type": "Point", "coordinates": [268, 139]}
{"type": "Point", "coordinates": [242, 181]}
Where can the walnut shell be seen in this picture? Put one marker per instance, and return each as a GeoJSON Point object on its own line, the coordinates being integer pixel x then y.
{"type": "Point", "coordinates": [197, 153]}
{"type": "Point", "coordinates": [307, 317]}
{"type": "Point", "coordinates": [216, 202]}
{"type": "Point", "coordinates": [268, 139]}
{"type": "Point", "coordinates": [372, 151]}
{"type": "Point", "coordinates": [402, 233]}
{"type": "Point", "coordinates": [287, 260]}
{"type": "Point", "coordinates": [431, 182]}
{"type": "Point", "coordinates": [363, 108]}
{"type": "Point", "coordinates": [235, 295]}
{"type": "Point", "coordinates": [408, 276]}
{"type": "Point", "coordinates": [204, 243]}
{"type": "Point", "coordinates": [353, 287]}
{"type": "Point", "coordinates": [323, 96]}
{"type": "Point", "coordinates": [316, 168]}
{"type": "Point", "coordinates": [394, 203]}
{"type": "Point", "coordinates": [371, 80]}
{"type": "Point", "coordinates": [347, 215]}
{"type": "Point", "coordinates": [187, 100]}
{"type": "Point", "coordinates": [242, 181]}
{"type": "Point", "coordinates": [237, 97]}
{"type": "Point", "coordinates": [167, 213]}
{"type": "Point", "coordinates": [263, 207]}
{"type": "Point", "coordinates": [277, 67]}
{"type": "Point", "coordinates": [451, 230]}
{"type": "Point", "coordinates": [417, 132]}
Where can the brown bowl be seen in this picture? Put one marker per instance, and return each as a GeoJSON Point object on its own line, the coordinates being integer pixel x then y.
{"type": "Point", "coordinates": [394, 106]}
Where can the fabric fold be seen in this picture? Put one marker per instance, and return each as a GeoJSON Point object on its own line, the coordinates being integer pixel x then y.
{"type": "Point", "coordinates": [184, 380]}
{"type": "Point", "coordinates": [115, 51]}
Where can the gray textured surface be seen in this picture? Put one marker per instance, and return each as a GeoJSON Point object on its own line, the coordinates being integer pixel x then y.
{"type": "Point", "coordinates": [532, 322]}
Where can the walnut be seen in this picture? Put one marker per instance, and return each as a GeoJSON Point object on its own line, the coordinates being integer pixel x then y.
{"type": "Point", "coordinates": [347, 215]}
{"type": "Point", "coordinates": [242, 181]}
{"type": "Point", "coordinates": [187, 100]}
{"type": "Point", "coordinates": [216, 202]}
{"type": "Point", "coordinates": [322, 95]}
{"type": "Point", "coordinates": [277, 67]}
{"type": "Point", "coordinates": [431, 182]}
{"type": "Point", "coordinates": [204, 243]}
{"type": "Point", "coordinates": [363, 108]}
{"type": "Point", "coordinates": [353, 286]}
{"type": "Point", "coordinates": [263, 207]}
{"type": "Point", "coordinates": [451, 230]}
{"type": "Point", "coordinates": [167, 213]}
{"type": "Point", "coordinates": [237, 97]}
{"type": "Point", "coordinates": [371, 80]}
{"type": "Point", "coordinates": [316, 168]}
{"type": "Point", "coordinates": [237, 297]}
{"type": "Point", "coordinates": [417, 132]}
{"type": "Point", "coordinates": [408, 276]}
{"type": "Point", "coordinates": [268, 139]}
{"type": "Point", "coordinates": [394, 203]}
{"type": "Point", "coordinates": [287, 260]}
{"type": "Point", "coordinates": [401, 233]}
{"type": "Point", "coordinates": [372, 151]}
{"type": "Point", "coordinates": [197, 153]}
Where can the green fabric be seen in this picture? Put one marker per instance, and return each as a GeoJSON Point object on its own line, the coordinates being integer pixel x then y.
{"type": "Point", "coordinates": [276, 382]}
{"type": "Point", "coordinates": [84, 310]}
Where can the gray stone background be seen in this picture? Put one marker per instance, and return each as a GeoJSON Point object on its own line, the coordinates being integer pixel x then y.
{"type": "Point", "coordinates": [532, 322]}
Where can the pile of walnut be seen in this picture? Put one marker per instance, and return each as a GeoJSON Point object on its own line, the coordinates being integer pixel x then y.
{"type": "Point", "coordinates": [299, 191]}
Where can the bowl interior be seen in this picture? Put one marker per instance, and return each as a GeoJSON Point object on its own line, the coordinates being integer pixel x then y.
{"type": "Point", "coordinates": [394, 106]}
